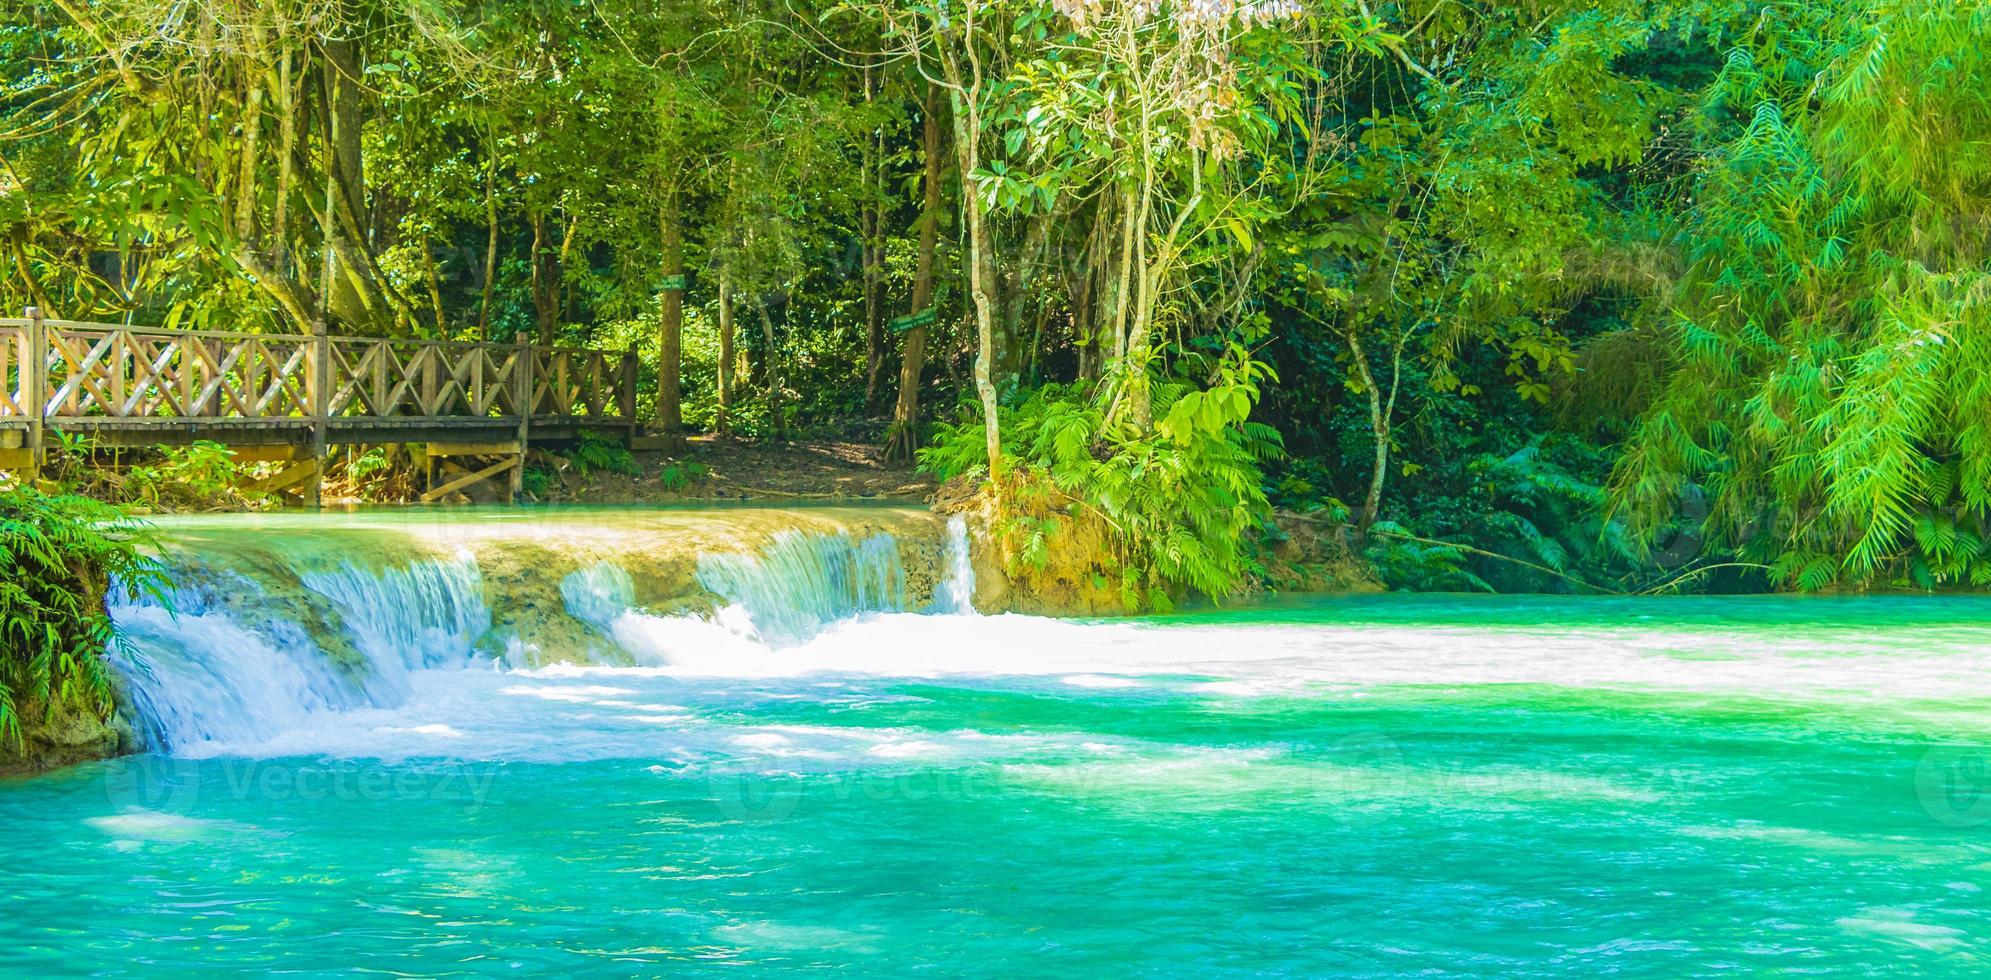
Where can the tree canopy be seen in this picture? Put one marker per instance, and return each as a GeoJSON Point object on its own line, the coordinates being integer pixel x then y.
{"type": "Point", "coordinates": [1539, 295]}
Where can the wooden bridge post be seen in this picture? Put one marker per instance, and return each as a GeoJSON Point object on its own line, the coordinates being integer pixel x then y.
{"type": "Point", "coordinates": [34, 388]}
{"type": "Point", "coordinates": [320, 391]}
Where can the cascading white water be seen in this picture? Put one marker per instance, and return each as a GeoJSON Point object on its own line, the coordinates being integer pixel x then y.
{"type": "Point", "coordinates": [802, 582]}
{"type": "Point", "coordinates": [956, 593]}
{"type": "Point", "coordinates": [603, 596]}
{"type": "Point", "coordinates": [789, 593]}
{"type": "Point", "coordinates": [422, 615]}
{"type": "Point", "coordinates": [196, 673]}
{"type": "Point", "coordinates": [598, 595]}
{"type": "Point", "coordinates": [222, 669]}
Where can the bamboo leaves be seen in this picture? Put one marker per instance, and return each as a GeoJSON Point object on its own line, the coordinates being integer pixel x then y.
{"type": "Point", "coordinates": [1833, 316]}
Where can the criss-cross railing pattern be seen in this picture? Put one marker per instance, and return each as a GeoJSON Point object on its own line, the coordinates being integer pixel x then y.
{"type": "Point", "coordinates": [580, 383]}
{"type": "Point", "coordinates": [146, 374]}
{"type": "Point", "coordinates": [428, 379]}
{"type": "Point", "coordinates": [133, 373]}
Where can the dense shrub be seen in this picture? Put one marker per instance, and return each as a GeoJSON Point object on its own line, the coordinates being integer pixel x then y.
{"type": "Point", "coordinates": [60, 554]}
{"type": "Point", "coordinates": [1144, 514]}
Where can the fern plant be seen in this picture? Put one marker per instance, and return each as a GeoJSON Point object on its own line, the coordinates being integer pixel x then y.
{"type": "Point", "coordinates": [681, 474]}
{"type": "Point", "coordinates": [61, 553]}
{"type": "Point", "coordinates": [596, 454]}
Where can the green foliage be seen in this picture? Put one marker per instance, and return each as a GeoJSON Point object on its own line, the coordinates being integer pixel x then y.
{"type": "Point", "coordinates": [1541, 509]}
{"type": "Point", "coordinates": [1150, 514]}
{"type": "Point", "coordinates": [596, 454]}
{"type": "Point", "coordinates": [536, 480]}
{"type": "Point", "coordinates": [1482, 244]}
{"type": "Point", "coordinates": [61, 553]}
{"type": "Point", "coordinates": [679, 474]}
{"type": "Point", "coordinates": [1420, 566]}
{"type": "Point", "coordinates": [1831, 351]}
{"type": "Point", "coordinates": [370, 464]}
{"type": "Point", "coordinates": [200, 475]}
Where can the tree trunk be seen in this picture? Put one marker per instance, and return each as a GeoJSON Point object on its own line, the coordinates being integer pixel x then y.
{"type": "Point", "coordinates": [359, 295]}
{"type": "Point", "coordinates": [981, 279]}
{"type": "Point", "coordinates": [871, 222]}
{"type": "Point", "coordinates": [1017, 292]}
{"type": "Point", "coordinates": [433, 276]}
{"type": "Point", "coordinates": [902, 439]}
{"type": "Point", "coordinates": [339, 301]}
{"type": "Point", "coordinates": [490, 238]}
{"type": "Point", "coordinates": [1379, 426]}
{"type": "Point", "coordinates": [251, 160]}
{"type": "Point", "coordinates": [720, 422]}
{"type": "Point", "coordinates": [770, 366]}
{"type": "Point", "coordinates": [670, 321]}
{"type": "Point", "coordinates": [967, 108]}
{"type": "Point", "coordinates": [545, 282]}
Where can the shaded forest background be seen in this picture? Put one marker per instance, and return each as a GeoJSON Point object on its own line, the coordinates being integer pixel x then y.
{"type": "Point", "coordinates": [1569, 296]}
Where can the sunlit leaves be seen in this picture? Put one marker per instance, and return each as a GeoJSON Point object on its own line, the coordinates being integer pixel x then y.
{"type": "Point", "coordinates": [1835, 310]}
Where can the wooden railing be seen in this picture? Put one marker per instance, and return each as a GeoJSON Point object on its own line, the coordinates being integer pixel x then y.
{"type": "Point", "coordinates": [59, 370]}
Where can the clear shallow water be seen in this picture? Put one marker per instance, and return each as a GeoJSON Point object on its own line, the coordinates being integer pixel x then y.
{"type": "Point", "coordinates": [1373, 786]}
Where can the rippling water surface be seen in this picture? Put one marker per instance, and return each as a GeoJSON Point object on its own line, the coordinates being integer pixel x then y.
{"type": "Point", "coordinates": [1380, 785]}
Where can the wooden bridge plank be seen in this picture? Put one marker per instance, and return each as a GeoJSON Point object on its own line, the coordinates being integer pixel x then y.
{"type": "Point", "coordinates": [287, 477]}
{"type": "Point", "coordinates": [497, 448]}
{"type": "Point", "coordinates": [470, 478]}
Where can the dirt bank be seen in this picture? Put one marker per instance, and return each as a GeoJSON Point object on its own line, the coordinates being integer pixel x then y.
{"type": "Point", "coordinates": [718, 468]}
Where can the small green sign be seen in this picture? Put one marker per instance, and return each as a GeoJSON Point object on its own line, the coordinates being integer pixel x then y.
{"type": "Point", "coordinates": [674, 283]}
{"type": "Point", "coordinates": [923, 318]}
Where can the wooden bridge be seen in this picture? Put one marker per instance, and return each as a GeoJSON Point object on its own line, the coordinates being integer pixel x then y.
{"type": "Point", "coordinates": [287, 397]}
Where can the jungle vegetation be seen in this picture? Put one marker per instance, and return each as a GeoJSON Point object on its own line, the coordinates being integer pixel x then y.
{"type": "Point", "coordinates": [62, 554]}
{"type": "Point", "coordinates": [1607, 295]}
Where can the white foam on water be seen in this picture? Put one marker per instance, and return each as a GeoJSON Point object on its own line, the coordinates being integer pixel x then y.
{"type": "Point", "coordinates": [1902, 925]}
{"type": "Point", "coordinates": [240, 686]}
{"type": "Point", "coordinates": [151, 825]}
{"type": "Point", "coordinates": [1271, 660]}
{"type": "Point", "coordinates": [1101, 681]}
{"type": "Point", "coordinates": [817, 618]}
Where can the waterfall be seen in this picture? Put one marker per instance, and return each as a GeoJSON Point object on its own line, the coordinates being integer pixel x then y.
{"type": "Point", "coordinates": [802, 582]}
{"type": "Point", "coordinates": [202, 668]}
{"type": "Point", "coordinates": [603, 596]}
{"type": "Point", "coordinates": [279, 635]}
{"type": "Point", "coordinates": [598, 595]}
{"type": "Point", "coordinates": [776, 598]}
{"type": "Point", "coordinates": [956, 593]}
{"type": "Point", "coordinates": [196, 675]}
{"type": "Point", "coordinates": [427, 614]}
